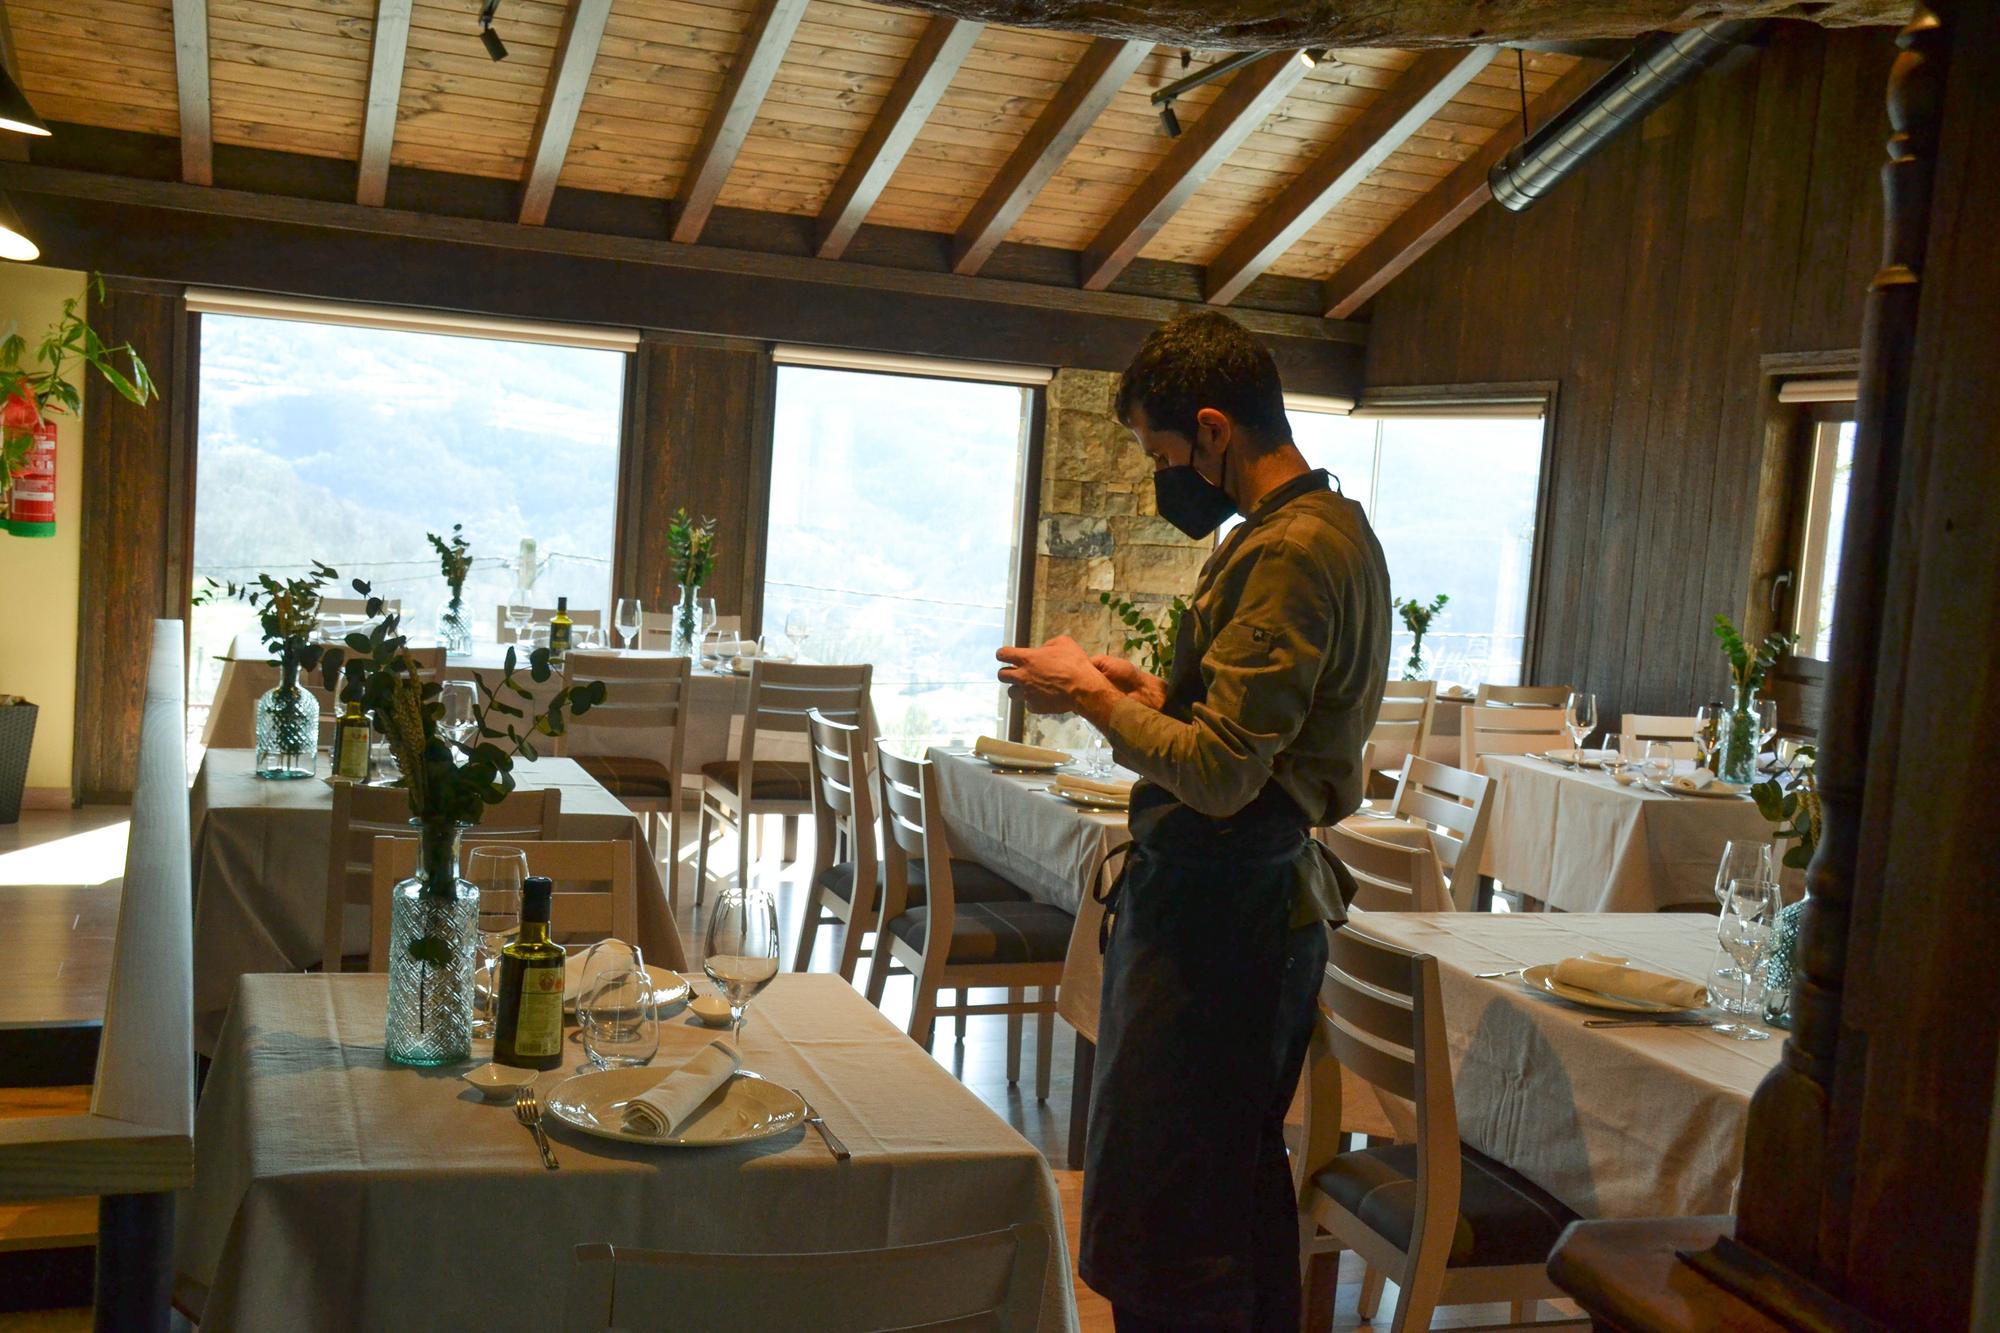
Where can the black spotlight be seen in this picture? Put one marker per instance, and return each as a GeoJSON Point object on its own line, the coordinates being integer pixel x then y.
{"type": "Point", "coordinates": [1169, 121]}
{"type": "Point", "coordinates": [1313, 57]}
{"type": "Point", "coordinates": [494, 46]}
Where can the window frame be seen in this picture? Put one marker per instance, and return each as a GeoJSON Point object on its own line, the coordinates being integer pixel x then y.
{"type": "Point", "coordinates": [1771, 600]}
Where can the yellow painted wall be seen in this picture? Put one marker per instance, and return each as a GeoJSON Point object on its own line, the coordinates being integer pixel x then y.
{"type": "Point", "coordinates": [38, 576]}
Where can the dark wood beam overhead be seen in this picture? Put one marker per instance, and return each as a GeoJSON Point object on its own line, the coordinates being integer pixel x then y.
{"type": "Point", "coordinates": [1251, 96]}
{"type": "Point", "coordinates": [569, 76]}
{"type": "Point", "coordinates": [389, 45]}
{"type": "Point", "coordinates": [1103, 70]}
{"type": "Point", "coordinates": [191, 81]}
{"type": "Point", "coordinates": [1419, 93]}
{"type": "Point", "coordinates": [926, 74]}
{"type": "Point", "coordinates": [1450, 202]}
{"type": "Point", "coordinates": [735, 110]}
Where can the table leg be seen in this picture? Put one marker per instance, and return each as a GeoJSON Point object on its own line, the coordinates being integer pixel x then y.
{"type": "Point", "coordinates": [135, 1262]}
{"type": "Point", "coordinates": [1322, 1286]}
{"type": "Point", "coordinates": [1079, 1099]}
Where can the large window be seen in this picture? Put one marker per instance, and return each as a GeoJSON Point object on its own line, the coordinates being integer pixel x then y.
{"type": "Point", "coordinates": [347, 444]}
{"type": "Point", "coordinates": [1452, 500]}
{"type": "Point", "coordinates": [1826, 519]}
{"type": "Point", "coordinates": [895, 517]}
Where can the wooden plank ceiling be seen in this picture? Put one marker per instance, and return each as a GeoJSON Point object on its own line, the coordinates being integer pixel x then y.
{"type": "Point", "coordinates": [836, 110]}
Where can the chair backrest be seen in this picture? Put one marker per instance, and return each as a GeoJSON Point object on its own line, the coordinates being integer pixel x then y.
{"type": "Point", "coordinates": [1381, 1018]}
{"type": "Point", "coordinates": [843, 813]}
{"type": "Point", "coordinates": [1522, 696]}
{"type": "Point", "coordinates": [656, 628]}
{"type": "Point", "coordinates": [1679, 732]}
{"type": "Point", "coordinates": [1455, 804]}
{"type": "Point", "coordinates": [362, 814]}
{"type": "Point", "coordinates": [1507, 730]}
{"type": "Point", "coordinates": [1389, 876]}
{"type": "Point", "coordinates": [988, 1281]}
{"type": "Point", "coordinates": [1798, 684]}
{"type": "Point", "coordinates": [542, 615]}
{"type": "Point", "coordinates": [595, 887]}
{"type": "Point", "coordinates": [643, 713]}
{"type": "Point", "coordinates": [357, 606]}
{"type": "Point", "coordinates": [912, 830]}
{"type": "Point", "coordinates": [1403, 724]}
{"type": "Point", "coordinates": [428, 661]}
{"type": "Point", "coordinates": [784, 695]}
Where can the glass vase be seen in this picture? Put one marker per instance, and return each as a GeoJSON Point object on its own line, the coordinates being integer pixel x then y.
{"type": "Point", "coordinates": [1737, 751]}
{"type": "Point", "coordinates": [454, 627]}
{"type": "Point", "coordinates": [433, 939]}
{"type": "Point", "coordinates": [688, 626]}
{"type": "Point", "coordinates": [287, 729]}
{"type": "Point", "coordinates": [1780, 975]}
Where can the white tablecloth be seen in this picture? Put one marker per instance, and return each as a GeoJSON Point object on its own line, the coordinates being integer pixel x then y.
{"type": "Point", "coordinates": [334, 1191]}
{"type": "Point", "coordinates": [260, 871]}
{"type": "Point", "coordinates": [1580, 842]}
{"type": "Point", "coordinates": [1615, 1122]}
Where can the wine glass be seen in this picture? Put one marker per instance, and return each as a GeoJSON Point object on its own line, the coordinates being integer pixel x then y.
{"type": "Point", "coordinates": [628, 616]}
{"type": "Point", "coordinates": [520, 610]}
{"type": "Point", "coordinates": [1708, 735]}
{"type": "Point", "coordinates": [1744, 933]}
{"type": "Point", "coordinates": [1767, 722]}
{"type": "Point", "coordinates": [1658, 764]}
{"type": "Point", "coordinates": [498, 872]}
{"type": "Point", "coordinates": [1580, 719]}
{"type": "Point", "coordinates": [741, 955]}
{"type": "Point", "coordinates": [616, 1011]}
{"type": "Point", "coordinates": [1745, 860]}
{"type": "Point", "coordinates": [708, 618]}
{"type": "Point", "coordinates": [460, 701]}
{"type": "Point", "coordinates": [798, 628]}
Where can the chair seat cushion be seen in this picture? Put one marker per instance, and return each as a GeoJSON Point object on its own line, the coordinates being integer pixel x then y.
{"type": "Point", "coordinates": [628, 775]}
{"type": "Point", "coordinates": [773, 780]}
{"type": "Point", "coordinates": [1007, 932]}
{"type": "Point", "coordinates": [970, 882]}
{"type": "Point", "coordinates": [1503, 1217]}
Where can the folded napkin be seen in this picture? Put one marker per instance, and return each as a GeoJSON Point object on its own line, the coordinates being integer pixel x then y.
{"type": "Point", "coordinates": [1455, 692]}
{"type": "Point", "coordinates": [1694, 781]}
{"type": "Point", "coordinates": [1103, 791]}
{"type": "Point", "coordinates": [666, 1106]}
{"type": "Point", "coordinates": [988, 747]}
{"type": "Point", "coordinates": [1613, 977]}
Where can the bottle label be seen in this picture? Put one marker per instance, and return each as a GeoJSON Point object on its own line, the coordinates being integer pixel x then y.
{"type": "Point", "coordinates": [538, 1028]}
{"type": "Point", "coordinates": [558, 637]}
{"type": "Point", "coordinates": [351, 764]}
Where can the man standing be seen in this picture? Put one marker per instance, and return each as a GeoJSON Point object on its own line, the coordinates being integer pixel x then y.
{"type": "Point", "coordinates": [1217, 935]}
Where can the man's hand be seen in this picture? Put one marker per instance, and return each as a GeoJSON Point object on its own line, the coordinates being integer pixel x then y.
{"type": "Point", "coordinates": [1132, 681]}
{"type": "Point", "coordinates": [1057, 677]}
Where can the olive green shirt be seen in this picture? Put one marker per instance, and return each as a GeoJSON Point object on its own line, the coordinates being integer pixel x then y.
{"type": "Point", "coordinates": [1290, 624]}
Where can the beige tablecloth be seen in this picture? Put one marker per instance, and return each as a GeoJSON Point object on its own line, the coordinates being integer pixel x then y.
{"type": "Point", "coordinates": [1580, 842]}
{"type": "Point", "coordinates": [260, 871]}
{"type": "Point", "coordinates": [1615, 1122]}
{"type": "Point", "coordinates": [334, 1191]}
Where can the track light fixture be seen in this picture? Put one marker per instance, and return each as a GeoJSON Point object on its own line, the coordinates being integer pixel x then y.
{"type": "Point", "coordinates": [14, 242]}
{"type": "Point", "coordinates": [1169, 121]}
{"type": "Point", "coordinates": [15, 113]}
{"type": "Point", "coordinates": [1313, 57]}
{"type": "Point", "coordinates": [494, 46]}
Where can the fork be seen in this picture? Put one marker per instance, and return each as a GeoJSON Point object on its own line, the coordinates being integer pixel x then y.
{"type": "Point", "coordinates": [1652, 1023]}
{"type": "Point", "coordinates": [528, 1110]}
{"type": "Point", "coordinates": [818, 1122]}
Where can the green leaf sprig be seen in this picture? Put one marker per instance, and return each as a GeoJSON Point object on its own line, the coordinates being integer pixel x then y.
{"type": "Point", "coordinates": [1789, 798]}
{"type": "Point", "coordinates": [1746, 669]}
{"type": "Point", "coordinates": [1417, 618]}
{"type": "Point", "coordinates": [691, 542]}
{"type": "Point", "coordinates": [454, 558]}
{"type": "Point", "coordinates": [287, 613]}
{"type": "Point", "coordinates": [31, 392]}
{"type": "Point", "coordinates": [1147, 635]}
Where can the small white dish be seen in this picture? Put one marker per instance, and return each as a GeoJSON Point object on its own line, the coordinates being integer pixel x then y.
{"type": "Point", "coordinates": [499, 1083]}
{"type": "Point", "coordinates": [710, 1010]}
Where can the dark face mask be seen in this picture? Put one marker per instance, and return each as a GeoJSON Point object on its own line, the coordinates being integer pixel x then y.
{"type": "Point", "coordinates": [1190, 501]}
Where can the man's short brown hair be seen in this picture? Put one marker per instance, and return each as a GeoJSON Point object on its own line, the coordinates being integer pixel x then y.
{"type": "Point", "coordinates": [1206, 359]}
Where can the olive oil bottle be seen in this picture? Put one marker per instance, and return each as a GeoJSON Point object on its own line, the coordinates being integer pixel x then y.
{"type": "Point", "coordinates": [559, 631]}
{"type": "Point", "coordinates": [528, 1025]}
{"type": "Point", "coordinates": [350, 733]}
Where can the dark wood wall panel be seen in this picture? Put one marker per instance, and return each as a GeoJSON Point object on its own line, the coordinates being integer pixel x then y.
{"type": "Point", "coordinates": [1740, 219]}
{"type": "Point", "coordinates": [135, 532]}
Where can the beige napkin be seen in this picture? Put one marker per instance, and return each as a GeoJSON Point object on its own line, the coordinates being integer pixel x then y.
{"type": "Point", "coordinates": [665, 1107]}
{"type": "Point", "coordinates": [1093, 788]}
{"type": "Point", "coordinates": [1612, 976]}
{"type": "Point", "coordinates": [1694, 781]}
{"type": "Point", "coordinates": [988, 747]}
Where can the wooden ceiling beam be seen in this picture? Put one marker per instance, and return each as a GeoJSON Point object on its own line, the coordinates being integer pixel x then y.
{"type": "Point", "coordinates": [1105, 67]}
{"type": "Point", "coordinates": [569, 78]}
{"type": "Point", "coordinates": [1418, 94]}
{"type": "Point", "coordinates": [389, 45]}
{"type": "Point", "coordinates": [191, 81]}
{"type": "Point", "coordinates": [1448, 203]}
{"type": "Point", "coordinates": [735, 111]}
{"type": "Point", "coordinates": [1251, 96]}
{"type": "Point", "coordinates": [926, 74]}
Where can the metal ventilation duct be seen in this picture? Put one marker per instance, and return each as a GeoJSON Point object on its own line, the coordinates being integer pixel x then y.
{"type": "Point", "coordinates": [1626, 93]}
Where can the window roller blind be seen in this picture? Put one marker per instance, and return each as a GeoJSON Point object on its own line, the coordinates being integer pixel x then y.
{"type": "Point", "coordinates": [409, 319]}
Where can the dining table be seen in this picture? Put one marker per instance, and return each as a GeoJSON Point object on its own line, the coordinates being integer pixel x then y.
{"type": "Point", "coordinates": [260, 869]}
{"type": "Point", "coordinates": [1577, 840]}
{"type": "Point", "coordinates": [334, 1190]}
{"type": "Point", "coordinates": [1617, 1122]}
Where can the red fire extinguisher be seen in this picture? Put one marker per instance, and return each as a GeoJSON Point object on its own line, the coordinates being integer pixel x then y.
{"type": "Point", "coordinates": [31, 507]}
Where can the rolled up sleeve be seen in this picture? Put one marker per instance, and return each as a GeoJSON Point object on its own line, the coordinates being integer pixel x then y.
{"type": "Point", "coordinates": [1261, 670]}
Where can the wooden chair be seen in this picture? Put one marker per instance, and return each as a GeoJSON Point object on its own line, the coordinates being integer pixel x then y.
{"type": "Point", "coordinates": [541, 615]}
{"type": "Point", "coordinates": [633, 742]}
{"type": "Point", "coordinates": [1389, 876]}
{"type": "Point", "coordinates": [1450, 1225]}
{"type": "Point", "coordinates": [656, 629]}
{"type": "Point", "coordinates": [990, 1281]}
{"type": "Point", "coordinates": [1521, 696]}
{"type": "Point", "coordinates": [953, 943]}
{"type": "Point", "coordinates": [1454, 807]}
{"type": "Point", "coordinates": [1508, 730]}
{"type": "Point", "coordinates": [1798, 684]}
{"type": "Point", "coordinates": [361, 814]}
{"type": "Point", "coordinates": [608, 909]}
{"type": "Point", "coordinates": [1402, 727]}
{"type": "Point", "coordinates": [1678, 732]}
{"type": "Point", "coordinates": [357, 606]}
{"type": "Point", "coordinates": [844, 887]}
{"type": "Point", "coordinates": [734, 791]}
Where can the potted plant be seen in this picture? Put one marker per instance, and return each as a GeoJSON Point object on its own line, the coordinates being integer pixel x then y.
{"type": "Point", "coordinates": [691, 542]}
{"type": "Point", "coordinates": [287, 724]}
{"type": "Point", "coordinates": [1740, 739]}
{"type": "Point", "coordinates": [454, 628]}
{"type": "Point", "coordinates": [1417, 617]}
{"type": "Point", "coordinates": [450, 780]}
{"type": "Point", "coordinates": [1143, 634]}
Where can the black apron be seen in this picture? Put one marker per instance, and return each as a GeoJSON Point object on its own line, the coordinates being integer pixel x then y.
{"type": "Point", "coordinates": [1208, 997]}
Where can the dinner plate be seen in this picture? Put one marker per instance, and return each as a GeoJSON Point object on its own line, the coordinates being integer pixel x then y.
{"type": "Point", "coordinates": [668, 987]}
{"type": "Point", "coordinates": [744, 1109]}
{"type": "Point", "coordinates": [1006, 765]}
{"type": "Point", "coordinates": [1090, 800]}
{"type": "Point", "coordinates": [1714, 791]}
{"type": "Point", "coordinates": [1578, 757]}
{"type": "Point", "coordinates": [1541, 977]}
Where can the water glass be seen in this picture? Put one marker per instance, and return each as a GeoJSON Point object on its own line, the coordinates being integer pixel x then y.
{"type": "Point", "coordinates": [628, 617]}
{"type": "Point", "coordinates": [616, 1010]}
{"type": "Point", "coordinates": [460, 700]}
{"type": "Point", "coordinates": [1658, 762]}
{"type": "Point", "coordinates": [1580, 719]}
{"type": "Point", "coordinates": [741, 952]}
{"type": "Point", "coordinates": [498, 872]}
{"type": "Point", "coordinates": [1617, 752]}
{"type": "Point", "coordinates": [1744, 934]}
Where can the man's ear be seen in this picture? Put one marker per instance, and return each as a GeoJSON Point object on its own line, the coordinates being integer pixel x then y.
{"type": "Point", "coordinates": [1214, 433]}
